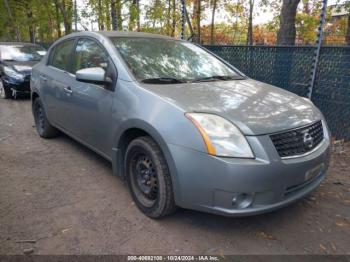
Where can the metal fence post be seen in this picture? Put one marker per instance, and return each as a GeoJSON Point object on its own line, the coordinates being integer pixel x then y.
{"type": "Point", "coordinates": [318, 48]}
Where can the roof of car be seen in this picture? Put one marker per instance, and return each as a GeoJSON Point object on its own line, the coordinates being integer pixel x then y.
{"type": "Point", "coordinates": [130, 34]}
{"type": "Point", "coordinates": [117, 34]}
{"type": "Point", "coordinates": [107, 34]}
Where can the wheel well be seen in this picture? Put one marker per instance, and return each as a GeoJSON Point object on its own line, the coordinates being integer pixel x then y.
{"type": "Point", "coordinates": [34, 96]}
{"type": "Point", "coordinates": [124, 141]}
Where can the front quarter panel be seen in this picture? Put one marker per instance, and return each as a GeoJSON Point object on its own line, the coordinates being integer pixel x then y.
{"type": "Point", "coordinates": [34, 80]}
{"type": "Point", "coordinates": [36, 85]}
{"type": "Point", "coordinates": [136, 107]}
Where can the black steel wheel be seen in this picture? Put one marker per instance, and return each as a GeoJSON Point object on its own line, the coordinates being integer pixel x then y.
{"type": "Point", "coordinates": [43, 126]}
{"type": "Point", "coordinates": [148, 178]}
{"type": "Point", "coordinates": [144, 179]}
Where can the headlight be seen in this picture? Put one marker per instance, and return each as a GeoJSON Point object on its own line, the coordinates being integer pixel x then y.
{"type": "Point", "coordinates": [221, 137]}
{"type": "Point", "coordinates": [12, 73]}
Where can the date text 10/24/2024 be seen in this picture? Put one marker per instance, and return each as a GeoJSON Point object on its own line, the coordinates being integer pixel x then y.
{"type": "Point", "coordinates": [174, 258]}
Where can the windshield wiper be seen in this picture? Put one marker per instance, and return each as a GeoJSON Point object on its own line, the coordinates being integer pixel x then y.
{"type": "Point", "coordinates": [217, 77]}
{"type": "Point", "coordinates": [163, 80]}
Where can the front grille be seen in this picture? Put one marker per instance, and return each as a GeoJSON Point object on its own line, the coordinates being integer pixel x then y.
{"type": "Point", "coordinates": [298, 141]}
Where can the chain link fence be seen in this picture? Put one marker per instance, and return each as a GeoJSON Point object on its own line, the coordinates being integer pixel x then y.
{"type": "Point", "coordinates": [290, 67]}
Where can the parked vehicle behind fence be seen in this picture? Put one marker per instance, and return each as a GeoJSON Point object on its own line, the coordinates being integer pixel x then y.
{"type": "Point", "coordinates": [183, 127]}
{"type": "Point", "coordinates": [16, 62]}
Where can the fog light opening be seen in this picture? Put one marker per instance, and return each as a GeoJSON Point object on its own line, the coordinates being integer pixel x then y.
{"type": "Point", "coordinates": [242, 200]}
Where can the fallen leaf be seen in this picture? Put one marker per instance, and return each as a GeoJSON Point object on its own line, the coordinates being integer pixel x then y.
{"type": "Point", "coordinates": [221, 253]}
{"type": "Point", "coordinates": [65, 230]}
{"type": "Point", "coordinates": [266, 236]}
{"type": "Point", "coordinates": [342, 223]}
{"type": "Point", "coordinates": [333, 246]}
{"type": "Point", "coordinates": [323, 248]}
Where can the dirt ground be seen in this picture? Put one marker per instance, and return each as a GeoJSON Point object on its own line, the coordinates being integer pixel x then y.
{"type": "Point", "coordinates": [63, 198]}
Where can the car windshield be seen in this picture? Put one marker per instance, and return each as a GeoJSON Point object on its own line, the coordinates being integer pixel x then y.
{"type": "Point", "coordinates": [156, 60]}
{"type": "Point", "coordinates": [21, 52]}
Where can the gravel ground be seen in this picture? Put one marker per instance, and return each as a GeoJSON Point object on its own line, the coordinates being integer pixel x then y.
{"type": "Point", "coordinates": [63, 198]}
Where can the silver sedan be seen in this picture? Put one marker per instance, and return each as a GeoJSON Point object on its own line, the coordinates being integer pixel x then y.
{"type": "Point", "coordinates": [181, 126]}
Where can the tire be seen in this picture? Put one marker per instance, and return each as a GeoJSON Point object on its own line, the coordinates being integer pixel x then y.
{"type": "Point", "coordinates": [148, 178]}
{"type": "Point", "coordinates": [42, 124]}
{"type": "Point", "coordinates": [5, 92]}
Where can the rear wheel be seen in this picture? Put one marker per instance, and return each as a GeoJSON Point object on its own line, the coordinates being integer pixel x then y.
{"type": "Point", "coordinates": [148, 178]}
{"type": "Point", "coordinates": [5, 92]}
{"type": "Point", "coordinates": [43, 126]}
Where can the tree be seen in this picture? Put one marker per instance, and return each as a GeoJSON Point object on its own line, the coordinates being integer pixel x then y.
{"type": "Point", "coordinates": [58, 19]}
{"type": "Point", "coordinates": [31, 30]}
{"type": "Point", "coordinates": [156, 17]}
{"type": "Point", "coordinates": [173, 14]}
{"type": "Point", "coordinates": [189, 23]}
{"type": "Point", "coordinates": [138, 15]}
{"type": "Point", "coordinates": [287, 32]}
{"type": "Point", "coordinates": [236, 16]}
{"type": "Point", "coordinates": [114, 15]}
{"type": "Point", "coordinates": [66, 10]}
{"type": "Point", "coordinates": [348, 32]}
{"type": "Point", "coordinates": [100, 15]}
{"type": "Point", "coordinates": [212, 27]}
{"type": "Point", "coordinates": [305, 27]}
{"type": "Point", "coordinates": [250, 23]}
{"type": "Point", "coordinates": [134, 11]}
{"type": "Point", "coordinates": [119, 6]}
{"type": "Point", "coordinates": [343, 7]}
{"type": "Point", "coordinates": [12, 20]}
{"type": "Point", "coordinates": [347, 36]}
{"type": "Point", "coordinates": [196, 20]}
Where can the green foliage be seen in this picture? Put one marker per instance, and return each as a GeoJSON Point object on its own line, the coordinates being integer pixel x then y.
{"type": "Point", "coordinates": [306, 26]}
{"type": "Point", "coordinates": [27, 15]}
{"type": "Point", "coordinates": [47, 20]}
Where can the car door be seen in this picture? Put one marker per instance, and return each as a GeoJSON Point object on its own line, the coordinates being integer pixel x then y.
{"type": "Point", "coordinates": [56, 79]}
{"type": "Point", "coordinates": [91, 104]}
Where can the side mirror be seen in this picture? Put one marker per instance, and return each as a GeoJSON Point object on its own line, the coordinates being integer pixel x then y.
{"type": "Point", "coordinates": [94, 75]}
{"type": "Point", "coordinates": [41, 52]}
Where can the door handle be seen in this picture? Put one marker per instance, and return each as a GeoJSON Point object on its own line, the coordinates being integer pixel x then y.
{"type": "Point", "coordinates": [68, 90]}
{"type": "Point", "coordinates": [42, 77]}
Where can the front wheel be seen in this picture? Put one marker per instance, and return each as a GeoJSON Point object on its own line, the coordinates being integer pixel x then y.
{"type": "Point", "coordinates": [43, 126]}
{"type": "Point", "coordinates": [5, 92]}
{"type": "Point", "coordinates": [148, 178]}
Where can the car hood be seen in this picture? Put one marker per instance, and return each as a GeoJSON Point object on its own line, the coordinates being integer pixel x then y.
{"type": "Point", "coordinates": [255, 107]}
{"type": "Point", "coordinates": [23, 67]}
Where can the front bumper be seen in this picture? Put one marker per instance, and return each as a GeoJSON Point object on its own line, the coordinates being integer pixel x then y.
{"type": "Point", "coordinates": [17, 85]}
{"type": "Point", "coordinates": [211, 184]}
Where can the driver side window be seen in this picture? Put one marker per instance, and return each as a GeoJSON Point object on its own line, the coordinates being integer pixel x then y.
{"type": "Point", "coordinates": [89, 54]}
